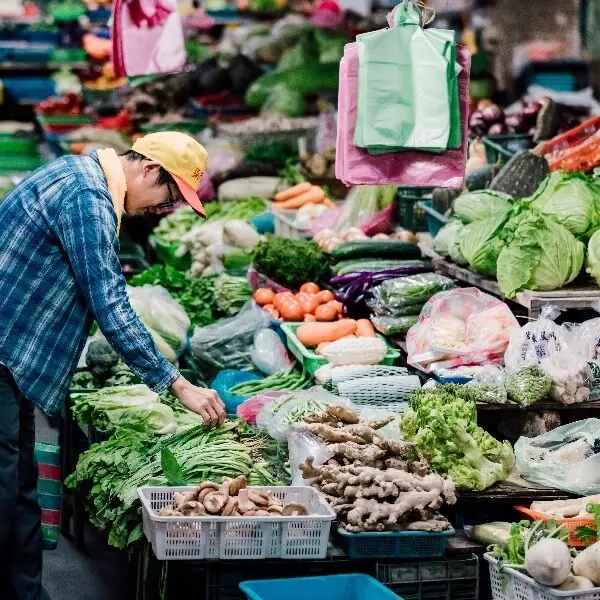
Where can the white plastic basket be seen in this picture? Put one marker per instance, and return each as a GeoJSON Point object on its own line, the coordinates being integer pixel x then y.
{"type": "Point", "coordinates": [199, 538]}
{"type": "Point", "coordinates": [285, 227]}
{"type": "Point", "coordinates": [510, 584]}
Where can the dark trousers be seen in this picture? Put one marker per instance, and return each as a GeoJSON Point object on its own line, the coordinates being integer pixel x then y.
{"type": "Point", "coordinates": [20, 514]}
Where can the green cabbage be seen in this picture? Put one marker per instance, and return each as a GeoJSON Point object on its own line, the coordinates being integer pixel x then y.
{"type": "Point", "coordinates": [480, 244]}
{"type": "Point", "coordinates": [481, 204]}
{"type": "Point", "coordinates": [593, 257]}
{"type": "Point", "coordinates": [539, 254]}
{"type": "Point", "coordinates": [572, 200]}
{"type": "Point", "coordinates": [446, 236]}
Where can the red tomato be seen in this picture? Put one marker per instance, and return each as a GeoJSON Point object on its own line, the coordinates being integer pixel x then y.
{"type": "Point", "coordinates": [325, 296]}
{"type": "Point", "coordinates": [310, 288]}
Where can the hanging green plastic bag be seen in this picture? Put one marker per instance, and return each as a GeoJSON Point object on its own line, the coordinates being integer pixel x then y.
{"type": "Point", "coordinates": [407, 92]}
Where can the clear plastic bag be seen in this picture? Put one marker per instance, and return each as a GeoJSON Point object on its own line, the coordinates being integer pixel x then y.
{"type": "Point", "coordinates": [163, 316]}
{"type": "Point", "coordinates": [585, 337]}
{"type": "Point", "coordinates": [302, 445]}
{"type": "Point", "coordinates": [528, 384]}
{"type": "Point", "coordinates": [227, 343]}
{"type": "Point", "coordinates": [278, 417]}
{"type": "Point", "coordinates": [268, 353]}
{"type": "Point", "coordinates": [536, 340]}
{"type": "Point", "coordinates": [494, 533]}
{"type": "Point", "coordinates": [489, 387]}
{"type": "Point", "coordinates": [564, 458]}
{"type": "Point", "coordinates": [248, 410]}
{"type": "Point", "coordinates": [571, 377]}
{"type": "Point", "coordinates": [460, 327]}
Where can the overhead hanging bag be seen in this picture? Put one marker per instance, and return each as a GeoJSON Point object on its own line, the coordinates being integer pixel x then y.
{"type": "Point", "coordinates": [406, 78]}
{"type": "Point", "coordinates": [355, 166]}
{"type": "Point", "coordinates": [147, 38]}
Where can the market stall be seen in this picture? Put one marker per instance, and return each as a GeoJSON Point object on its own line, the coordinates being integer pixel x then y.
{"type": "Point", "coordinates": [378, 307]}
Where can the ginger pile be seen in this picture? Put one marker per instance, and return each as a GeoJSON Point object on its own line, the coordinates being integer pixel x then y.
{"type": "Point", "coordinates": [233, 498]}
{"type": "Point", "coordinates": [374, 483]}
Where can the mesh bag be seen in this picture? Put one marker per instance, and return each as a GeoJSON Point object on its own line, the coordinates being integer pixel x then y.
{"type": "Point", "coordinates": [379, 390]}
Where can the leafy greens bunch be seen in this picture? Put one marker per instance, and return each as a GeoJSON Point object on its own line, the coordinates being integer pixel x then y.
{"type": "Point", "coordinates": [442, 422]}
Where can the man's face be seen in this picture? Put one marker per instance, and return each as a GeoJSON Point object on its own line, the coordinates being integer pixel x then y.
{"type": "Point", "coordinates": [144, 196]}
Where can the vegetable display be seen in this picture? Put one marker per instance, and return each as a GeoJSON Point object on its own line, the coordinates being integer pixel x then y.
{"type": "Point", "coordinates": [372, 482]}
{"type": "Point", "coordinates": [282, 381]}
{"type": "Point", "coordinates": [442, 422]}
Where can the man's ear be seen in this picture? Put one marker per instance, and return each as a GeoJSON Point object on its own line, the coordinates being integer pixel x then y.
{"type": "Point", "coordinates": [150, 168]}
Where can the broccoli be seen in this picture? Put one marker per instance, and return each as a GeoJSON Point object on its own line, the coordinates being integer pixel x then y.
{"type": "Point", "coordinates": [101, 360]}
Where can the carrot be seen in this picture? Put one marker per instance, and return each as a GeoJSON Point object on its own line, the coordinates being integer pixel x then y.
{"type": "Point", "coordinates": [329, 203]}
{"type": "Point", "coordinates": [364, 328]}
{"type": "Point", "coordinates": [314, 195]}
{"type": "Point", "coordinates": [321, 347]}
{"type": "Point", "coordinates": [292, 192]}
{"type": "Point", "coordinates": [312, 334]}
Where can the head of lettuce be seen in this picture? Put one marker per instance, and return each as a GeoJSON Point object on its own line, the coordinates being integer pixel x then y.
{"type": "Point", "coordinates": [60, 270]}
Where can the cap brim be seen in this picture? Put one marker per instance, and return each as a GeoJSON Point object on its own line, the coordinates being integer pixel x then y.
{"type": "Point", "coordinates": [190, 195]}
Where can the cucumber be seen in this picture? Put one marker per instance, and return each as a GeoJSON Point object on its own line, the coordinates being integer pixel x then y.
{"type": "Point", "coordinates": [376, 249]}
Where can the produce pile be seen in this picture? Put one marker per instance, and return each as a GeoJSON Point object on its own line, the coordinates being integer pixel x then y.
{"type": "Point", "coordinates": [372, 482]}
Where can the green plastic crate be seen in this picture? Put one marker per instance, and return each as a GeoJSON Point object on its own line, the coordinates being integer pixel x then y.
{"type": "Point", "coordinates": [10, 144]}
{"type": "Point", "coordinates": [19, 163]}
{"type": "Point", "coordinates": [69, 55]}
{"type": "Point", "coordinates": [310, 360]}
{"type": "Point", "coordinates": [410, 215]}
{"type": "Point", "coordinates": [499, 149]}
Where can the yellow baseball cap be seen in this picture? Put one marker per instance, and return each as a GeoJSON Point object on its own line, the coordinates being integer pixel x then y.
{"type": "Point", "coordinates": [182, 157]}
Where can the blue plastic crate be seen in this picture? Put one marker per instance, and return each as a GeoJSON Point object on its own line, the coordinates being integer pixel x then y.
{"type": "Point", "coordinates": [435, 220]}
{"type": "Point", "coordinates": [393, 544]}
{"type": "Point", "coordinates": [34, 89]}
{"type": "Point", "coordinates": [23, 52]}
{"type": "Point", "coordinates": [330, 587]}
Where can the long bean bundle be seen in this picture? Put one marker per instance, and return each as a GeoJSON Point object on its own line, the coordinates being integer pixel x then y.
{"type": "Point", "coordinates": [281, 381]}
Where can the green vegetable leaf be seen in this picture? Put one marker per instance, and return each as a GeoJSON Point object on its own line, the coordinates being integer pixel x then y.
{"type": "Point", "coordinates": [171, 468]}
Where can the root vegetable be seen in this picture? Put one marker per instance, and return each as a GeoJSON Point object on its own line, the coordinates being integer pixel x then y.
{"type": "Point", "coordinates": [312, 334]}
{"type": "Point", "coordinates": [331, 434]}
{"type": "Point", "coordinates": [549, 561]}
{"type": "Point", "coordinates": [292, 192]}
{"type": "Point", "coordinates": [364, 328]}
{"type": "Point", "coordinates": [575, 582]}
{"type": "Point", "coordinates": [587, 563]}
{"type": "Point", "coordinates": [344, 413]}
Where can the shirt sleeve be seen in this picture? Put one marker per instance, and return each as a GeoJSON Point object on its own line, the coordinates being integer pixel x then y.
{"type": "Point", "coordinates": [87, 230]}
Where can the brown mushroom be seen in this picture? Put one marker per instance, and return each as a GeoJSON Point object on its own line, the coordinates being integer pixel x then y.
{"type": "Point", "coordinates": [258, 498]}
{"type": "Point", "coordinates": [193, 509]}
{"type": "Point", "coordinates": [274, 500]}
{"type": "Point", "coordinates": [249, 513]}
{"type": "Point", "coordinates": [294, 509]}
{"type": "Point", "coordinates": [214, 502]}
{"type": "Point", "coordinates": [230, 507]}
{"type": "Point", "coordinates": [206, 488]}
{"type": "Point", "coordinates": [275, 510]}
{"type": "Point", "coordinates": [236, 485]}
{"type": "Point", "coordinates": [179, 500]}
{"type": "Point", "coordinates": [262, 513]}
{"type": "Point", "coordinates": [244, 502]}
{"type": "Point", "coordinates": [169, 511]}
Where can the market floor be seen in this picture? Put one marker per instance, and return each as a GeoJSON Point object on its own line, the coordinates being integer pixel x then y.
{"type": "Point", "coordinates": [96, 573]}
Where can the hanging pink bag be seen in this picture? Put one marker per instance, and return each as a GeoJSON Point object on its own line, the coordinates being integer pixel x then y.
{"type": "Point", "coordinates": [147, 38]}
{"type": "Point", "coordinates": [355, 166]}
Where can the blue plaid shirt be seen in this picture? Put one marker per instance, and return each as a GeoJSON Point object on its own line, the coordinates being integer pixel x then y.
{"type": "Point", "coordinates": [59, 265]}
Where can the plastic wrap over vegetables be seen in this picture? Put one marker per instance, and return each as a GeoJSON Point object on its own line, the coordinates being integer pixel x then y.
{"type": "Point", "coordinates": [460, 327]}
{"type": "Point", "coordinates": [536, 340]}
{"type": "Point", "coordinates": [571, 377]}
{"type": "Point", "coordinates": [564, 458]}
{"type": "Point", "coordinates": [164, 318]}
{"type": "Point", "coordinates": [585, 337]}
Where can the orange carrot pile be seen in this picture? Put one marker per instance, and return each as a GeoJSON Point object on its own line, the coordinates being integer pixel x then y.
{"type": "Point", "coordinates": [300, 195]}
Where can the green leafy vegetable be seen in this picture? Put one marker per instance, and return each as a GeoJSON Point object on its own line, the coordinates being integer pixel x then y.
{"type": "Point", "coordinates": [231, 293]}
{"type": "Point", "coordinates": [593, 257]}
{"type": "Point", "coordinates": [101, 360]}
{"type": "Point", "coordinates": [480, 244]}
{"type": "Point", "coordinates": [290, 262]}
{"type": "Point", "coordinates": [571, 199]}
{"type": "Point", "coordinates": [446, 237]}
{"type": "Point", "coordinates": [589, 535]}
{"type": "Point", "coordinates": [442, 422]}
{"type": "Point", "coordinates": [481, 204]}
{"type": "Point", "coordinates": [539, 254]}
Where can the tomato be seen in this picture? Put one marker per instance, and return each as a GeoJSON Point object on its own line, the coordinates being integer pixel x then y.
{"type": "Point", "coordinates": [308, 318]}
{"type": "Point", "coordinates": [292, 311]}
{"type": "Point", "coordinates": [325, 296]}
{"type": "Point", "coordinates": [283, 298]}
{"type": "Point", "coordinates": [326, 313]}
{"type": "Point", "coordinates": [309, 305]}
{"type": "Point", "coordinates": [310, 288]}
{"type": "Point", "coordinates": [339, 307]}
{"type": "Point", "coordinates": [264, 296]}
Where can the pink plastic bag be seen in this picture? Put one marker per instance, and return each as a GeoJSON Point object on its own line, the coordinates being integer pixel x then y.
{"type": "Point", "coordinates": [248, 409]}
{"type": "Point", "coordinates": [459, 327]}
{"type": "Point", "coordinates": [355, 166]}
{"type": "Point", "coordinates": [258, 280]}
{"type": "Point", "coordinates": [147, 38]}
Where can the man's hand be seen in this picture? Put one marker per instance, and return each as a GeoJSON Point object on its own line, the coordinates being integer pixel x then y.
{"type": "Point", "coordinates": [203, 402]}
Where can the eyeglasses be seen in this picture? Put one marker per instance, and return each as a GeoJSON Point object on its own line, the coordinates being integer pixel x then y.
{"type": "Point", "coordinates": [170, 203]}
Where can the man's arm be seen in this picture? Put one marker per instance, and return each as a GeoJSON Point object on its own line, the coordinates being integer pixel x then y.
{"type": "Point", "coordinates": [86, 228]}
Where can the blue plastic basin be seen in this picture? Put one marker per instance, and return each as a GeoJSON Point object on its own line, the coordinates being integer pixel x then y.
{"type": "Point", "coordinates": [330, 587]}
